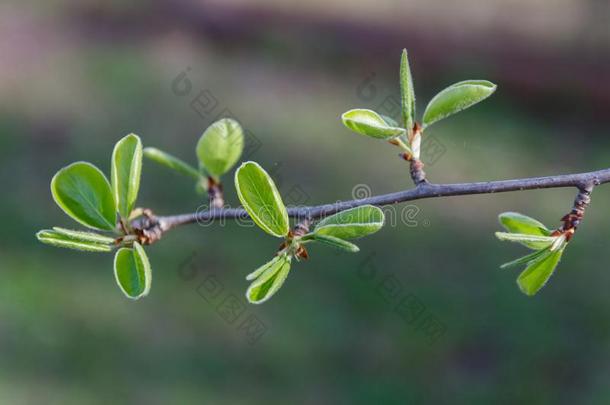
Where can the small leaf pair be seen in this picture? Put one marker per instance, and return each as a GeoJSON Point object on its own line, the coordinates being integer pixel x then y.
{"type": "Point", "coordinates": [84, 193]}
{"type": "Point", "coordinates": [548, 248]}
{"type": "Point", "coordinates": [261, 199]}
{"type": "Point", "coordinates": [370, 123]}
{"type": "Point", "coordinates": [218, 149]}
{"type": "Point", "coordinates": [132, 271]}
{"type": "Point", "coordinates": [352, 223]}
{"type": "Point", "coordinates": [449, 101]}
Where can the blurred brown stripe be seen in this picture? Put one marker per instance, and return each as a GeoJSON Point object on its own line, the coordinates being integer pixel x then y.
{"type": "Point", "coordinates": [529, 69]}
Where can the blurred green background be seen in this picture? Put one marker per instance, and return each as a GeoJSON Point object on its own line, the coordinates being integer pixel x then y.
{"type": "Point", "coordinates": [77, 76]}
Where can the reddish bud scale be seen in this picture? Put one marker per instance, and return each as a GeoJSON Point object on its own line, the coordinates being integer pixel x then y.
{"type": "Point", "coordinates": [149, 230]}
{"type": "Point", "coordinates": [572, 220]}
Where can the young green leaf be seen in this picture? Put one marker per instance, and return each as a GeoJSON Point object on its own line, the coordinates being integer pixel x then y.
{"type": "Point", "coordinates": [125, 173]}
{"type": "Point", "coordinates": [165, 159]}
{"type": "Point", "coordinates": [82, 191]}
{"type": "Point", "coordinates": [260, 198]}
{"type": "Point", "coordinates": [269, 281]}
{"type": "Point", "coordinates": [407, 92]}
{"type": "Point", "coordinates": [264, 267]}
{"type": "Point", "coordinates": [538, 272]}
{"type": "Point", "coordinates": [86, 243]}
{"type": "Point", "coordinates": [132, 271]}
{"type": "Point", "coordinates": [352, 223]}
{"type": "Point", "coordinates": [531, 241]}
{"type": "Point", "coordinates": [534, 242]}
{"type": "Point", "coordinates": [456, 98]}
{"type": "Point", "coordinates": [84, 236]}
{"type": "Point", "coordinates": [525, 259]}
{"type": "Point", "coordinates": [220, 146]}
{"type": "Point", "coordinates": [519, 223]}
{"type": "Point", "coordinates": [368, 122]}
{"type": "Point", "coordinates": [336, 242]}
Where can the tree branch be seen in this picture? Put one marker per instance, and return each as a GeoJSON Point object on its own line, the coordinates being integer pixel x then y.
{"type": "Point", "coordinates": [582, 181]}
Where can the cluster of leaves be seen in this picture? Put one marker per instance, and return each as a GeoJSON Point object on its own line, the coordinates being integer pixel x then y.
{"type": "Point", "coordinates": [548, 246]}
{"type": "Point", "coordinates": [407, 134]}
{"type": "Point", "coordinates": [260, 198]}
{"type": "Point", "coordinates": [218, 150]}
{"type": "Point", "coordinates": [83, 192]}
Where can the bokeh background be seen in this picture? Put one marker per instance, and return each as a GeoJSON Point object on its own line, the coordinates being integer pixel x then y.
{"type": "Point", "coordinates": [75, 76]}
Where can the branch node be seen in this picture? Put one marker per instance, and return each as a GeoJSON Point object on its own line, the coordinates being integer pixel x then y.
{"type": "Point", "coordinates": [417, 172]}
{"type": "Point", "coordinates": [572, 220]}
{"type": "Point", "coordinates": [147, 227]}
{"type": "Point", "coordinates": [215, 193]}
{"type": "Point", "coordinates": [302, 227]}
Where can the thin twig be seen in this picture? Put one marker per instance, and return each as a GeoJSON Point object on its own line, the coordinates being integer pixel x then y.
{"type": "Point", "coordinates": [421, 191]}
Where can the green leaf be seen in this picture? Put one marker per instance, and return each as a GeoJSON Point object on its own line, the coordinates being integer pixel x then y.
{"type": "Point", "coordinates": [260, 198]}
{"type": "Point", "coordinates": [269, 281]}
{"type": "Point", "coordinates": [368, 122]}
{"type": "Point", "coordinates": [220, 146]}
{"type": "Point", "coordinates": [165, 159]}
{"type": "Point", "coordinates": [522, 224]}
{"type": "Point", "coordinates": [336, 243]}
{"type": "Point", "coordinates": [535, 242]}
{"type": "Point", "coordinates": [519, 223]}
{"type": "Point", "coordinates": [84, 236]}
{"type": "Point", "coordinates": [524, 237]}
{"type": "Point", "coordinates": [538, 272]}
{"type": "Point", "coordinates": [407, 92]}
{"type": "Point", "coordinates": [85, 241]}
{"type": "Point", "coordinates": [82, 191]}
{"type": "Point", "coordinates": [456, 98]}
{"type": "Point", "coordinates": [132, 271]}
{"type": "Point", "coordinates": [264, 267]}
{"type": "Point", "coordinates": [125, 173]}
{"type": "Point", "coordinates": [525, 259]}
{"type": "Point", "coordinates": [352, 223]}
{"type": "Point", "coordinates": [531, 241]}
